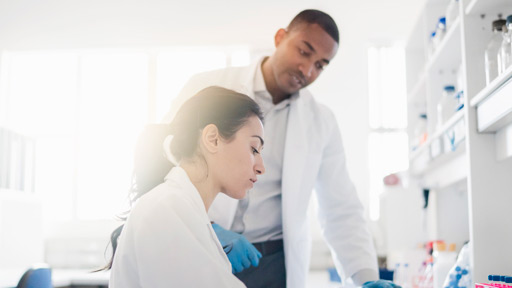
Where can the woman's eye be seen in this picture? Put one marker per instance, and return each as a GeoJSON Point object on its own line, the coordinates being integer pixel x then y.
{"type": "Point", "coordinates": [255, 151]}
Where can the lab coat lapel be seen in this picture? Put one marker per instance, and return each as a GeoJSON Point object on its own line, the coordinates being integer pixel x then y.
{"type": "Point", "coordinates": [294, 159]}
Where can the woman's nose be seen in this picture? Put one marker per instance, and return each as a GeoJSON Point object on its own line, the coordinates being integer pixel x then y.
{"type": "Point", "coordinates": [260, 167]}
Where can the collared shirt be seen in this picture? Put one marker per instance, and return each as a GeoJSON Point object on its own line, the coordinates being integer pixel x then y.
{"type": "Point", "coordinates": [259, 214]}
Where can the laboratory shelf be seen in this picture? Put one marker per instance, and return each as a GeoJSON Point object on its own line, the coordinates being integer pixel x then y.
{"type": "Point", "coordinates": [447, 169]}
{"type": "Point", "coordinates": [493, 86]}
{"type": "Point", "coordinates": [495, 112]}
{"type": "Point", "coordinates": [437, 135]}
{"type": "Point", "coordinates": [480, 134]}
{"type": "Point", "coordinates": [479, 7]}
{"type": "Point", "coordinates": [448, 54]}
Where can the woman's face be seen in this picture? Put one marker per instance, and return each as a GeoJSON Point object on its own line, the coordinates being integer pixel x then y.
{"type": "Point", "coordinates": [239, 160]}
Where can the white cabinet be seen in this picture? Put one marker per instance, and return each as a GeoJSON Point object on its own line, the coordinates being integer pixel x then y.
{"type": "Point", "coordinates": [473, 149]}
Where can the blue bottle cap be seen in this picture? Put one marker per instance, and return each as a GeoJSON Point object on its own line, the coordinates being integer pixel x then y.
{"type": "Point", "coordinates": [458, 276]}
{"type": "Point", "coordinates": [489, 277]}
{"type": "Point", "coordinates": [464, 272]}
{"type": "Point", "coordinates": [496, 277]}
{"type": "Point", "coordinates": [457, 268]}
{"type": "Point", "coordinates": [502, 278]}
{"type": "Point", "coordinates": [508, 279]}
{"type": "Point", "coordinates": [442, 20]}
{"type": "Point", "coordinates": [433, 34]}
{"type": "Point", "coordinates": [449, 88]}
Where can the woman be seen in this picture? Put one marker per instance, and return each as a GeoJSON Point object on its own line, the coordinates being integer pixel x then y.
{"type": "Point", "coordinates": [167, 240]}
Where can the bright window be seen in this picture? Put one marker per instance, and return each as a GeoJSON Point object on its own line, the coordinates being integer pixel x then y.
{"type": "Point", "coordinates": [387, 142]}
{"type": "Point", "coordinates": [85, 110]}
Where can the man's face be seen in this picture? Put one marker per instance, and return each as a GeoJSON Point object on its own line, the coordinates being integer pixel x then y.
{"type": "Point", "coordinates": [301, 55]}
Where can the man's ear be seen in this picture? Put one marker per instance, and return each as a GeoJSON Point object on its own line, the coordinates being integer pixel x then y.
{"type": "Point", "coordinates": [210, 138]}
{"type": "Point", "coordinates": [280, 35]}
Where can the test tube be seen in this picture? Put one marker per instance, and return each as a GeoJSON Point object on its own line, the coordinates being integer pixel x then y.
{"type": "Point", "coordinates": [496, 279]}
{"type": "Point", "coordinates": [508, 281]}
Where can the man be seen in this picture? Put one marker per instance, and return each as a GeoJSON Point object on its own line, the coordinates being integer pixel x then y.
{"type": "Point", "coordinates": [303, 150]}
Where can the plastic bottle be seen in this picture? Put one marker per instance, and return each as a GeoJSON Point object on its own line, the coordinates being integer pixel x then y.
{"type": "Point", "coordinates": [429, 275]}
{"type": "Point", "coordinates": [397, 275]}
{"type": "Point", "coordinates": [508, 61]}
{"type": "Point", "coordinates": [420, 134]}
{"type": "Point", "coordinates": [443, 262]}
{"type": "Point", "coordinates": [405, 276]}
{"type": "Point", "coordinates": [447, 105]}
{"type": "Point", "coordinates": [419, 278]}
{"type": "Point", "coordinates": [460, 100]}
{"type": "Point", "coordinates": [452, 12]}
{"type": "Point", "coordinates": [492, 51]}
{"type": "Point", "coordinates": [440, 31]}
{"type": "Point", "coordinates": [505, 52]}
{"type": "Point", "coordinates": [432, 44]}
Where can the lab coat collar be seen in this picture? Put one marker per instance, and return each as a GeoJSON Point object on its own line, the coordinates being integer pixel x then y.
{"type": "Point", "coordinates": [260, 87]}
{"type": "Point", "coordinates": [178, 176]}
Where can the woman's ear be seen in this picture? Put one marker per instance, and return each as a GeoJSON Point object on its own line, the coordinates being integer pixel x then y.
{"type": "Point", "coordinates": [210, 138]}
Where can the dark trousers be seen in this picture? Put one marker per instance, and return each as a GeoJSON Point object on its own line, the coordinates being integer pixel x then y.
{"type": "Point", "coordinates": [270, 273]}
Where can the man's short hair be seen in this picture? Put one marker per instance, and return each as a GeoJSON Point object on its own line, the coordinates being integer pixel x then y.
{"type": "Point", "coordinates": [311, 16]}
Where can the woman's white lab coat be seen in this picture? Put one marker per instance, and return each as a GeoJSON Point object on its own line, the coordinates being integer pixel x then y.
{"type": "Point", "coordinates": [168, 241]}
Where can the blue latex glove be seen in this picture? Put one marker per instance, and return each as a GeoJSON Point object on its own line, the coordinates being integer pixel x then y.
{"type": "Point", "coordinates": [241, 253]}
{"type": "Point", "coordinates": [380, 284]}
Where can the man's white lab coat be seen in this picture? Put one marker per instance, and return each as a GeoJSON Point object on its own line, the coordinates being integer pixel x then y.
{"type": "Point", "coordinates": [168, 241]}
{"type": "Point", "coordinates": [314, 158]}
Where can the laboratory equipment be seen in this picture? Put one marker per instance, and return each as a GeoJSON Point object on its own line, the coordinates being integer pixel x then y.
{"type": "Point", "coordinates": [440, 31]}
{"type": "Point", "coordinates": [459, 99]}
{"type": "Point", "coordinates": [492, 51]}
{"type": "Point", "coordinates": [443, 261]}
{"type": "Point", "coordinates": [420, 134]}
{"type": "Point", "coordinates": [505, 49]}
{"type": "Point", "coordinates": [447, 105]}
{"type": "Point", "coordinates": [432, 44]}
{"type": "Point", "coordinates": [459, 275]}
{"type": "Point", "coordinates": [496, 281]}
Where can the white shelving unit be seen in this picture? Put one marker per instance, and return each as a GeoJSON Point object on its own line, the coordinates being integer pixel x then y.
{"type": "Point", "coordinates": [478, 159]}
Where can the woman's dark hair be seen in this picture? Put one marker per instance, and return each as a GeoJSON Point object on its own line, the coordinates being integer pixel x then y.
{"type": "Point", "coordinates": [226, 109]}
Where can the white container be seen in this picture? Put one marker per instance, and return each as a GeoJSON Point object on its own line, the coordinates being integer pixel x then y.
{"type": "Point", "coordinates": [420, 134]}
{"type": "Point", "coordinates": [443, 262]}
{"type": "Point", "coordinates": [447, 105]}
{"type": "Point", "coordinates": [505, 51]}
{"type": "Point", "coordinates": [492, 58]}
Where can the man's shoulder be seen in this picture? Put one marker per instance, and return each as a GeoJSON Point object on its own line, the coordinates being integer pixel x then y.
{"type": "Point", "coordinates": [228, 74]}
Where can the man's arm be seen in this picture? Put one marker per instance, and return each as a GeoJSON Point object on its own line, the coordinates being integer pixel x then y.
{"type": "Point", "coordinates": [340, 212]}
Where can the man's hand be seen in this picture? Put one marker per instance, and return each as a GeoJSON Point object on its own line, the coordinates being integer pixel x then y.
{"type": "Point", "coordinates": [241, 253]}
{"type": "Point", "coordinates": [380, 284]}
